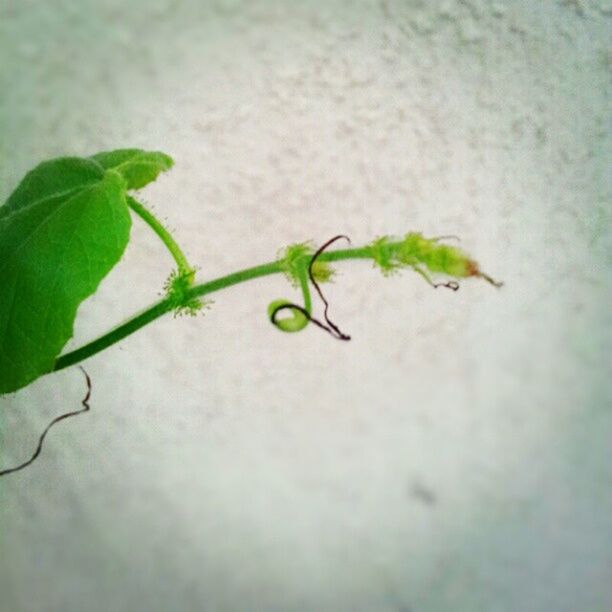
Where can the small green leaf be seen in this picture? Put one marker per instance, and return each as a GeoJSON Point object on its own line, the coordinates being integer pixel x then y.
{"type": "Point", "coordinates": [137, 167]}
{"type": "Point", "coordinates": [61, 231]}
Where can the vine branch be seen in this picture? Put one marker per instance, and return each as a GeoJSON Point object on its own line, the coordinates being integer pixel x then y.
{"type": "Point", "coordinates": [387, 254]}
{"type": "Point", "coordinates": [164, 235]}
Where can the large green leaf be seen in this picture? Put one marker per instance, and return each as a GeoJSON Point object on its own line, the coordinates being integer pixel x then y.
{"type": "Point", "coordinates": [61, 231]}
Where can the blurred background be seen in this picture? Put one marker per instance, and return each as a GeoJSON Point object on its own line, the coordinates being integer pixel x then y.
{"type": "Point", "coordinates": [455, 454]}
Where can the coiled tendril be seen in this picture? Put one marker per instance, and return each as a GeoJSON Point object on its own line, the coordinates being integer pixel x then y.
{"type": "Point", "coordinates": [302, 314]}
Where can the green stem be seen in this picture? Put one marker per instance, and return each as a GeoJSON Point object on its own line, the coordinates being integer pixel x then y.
{"type": "Point", "coordinates": [306, 291]}
{"type": "Point", "coordinates": [163, 306]}
{"type": "Point", "coordinates": [175, 250]}
{"type": "Point", "coordinates": [342, 254]}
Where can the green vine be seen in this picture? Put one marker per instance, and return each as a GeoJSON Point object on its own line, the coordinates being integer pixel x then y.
{"type": "Point", "coordinates": [83, 205]}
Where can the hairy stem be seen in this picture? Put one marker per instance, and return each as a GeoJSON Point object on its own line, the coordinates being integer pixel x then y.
{"type": "Point", "coordinates": [175, 250]}
{"type": "Point", "coordinates": [305, 291]}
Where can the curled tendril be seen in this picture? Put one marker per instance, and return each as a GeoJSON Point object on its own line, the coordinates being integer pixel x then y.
{"type": "Point", "coordinates": [298, 320]}
{"type": "Point", "coordinates": [302, 314]}
{"type": "Point", "coordinates": [453, 285]}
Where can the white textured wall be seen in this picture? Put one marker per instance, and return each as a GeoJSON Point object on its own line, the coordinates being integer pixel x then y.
{"type": "Point", "coordinates": [453, 455]}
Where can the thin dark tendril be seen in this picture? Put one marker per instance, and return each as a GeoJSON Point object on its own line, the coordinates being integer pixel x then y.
{"type": "Point", "coordinates": [448, 237]}
{"type": "Point", "coordinates": [305, 313]}
{"type": "Point", "coordinates": [84, 403]}
{"type": "Point", "coordinates": [336, 331]}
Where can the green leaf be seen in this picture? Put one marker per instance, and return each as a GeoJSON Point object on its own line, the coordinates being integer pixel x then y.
{"type": "Point", "coordinates": [61, 231]}
{"type": "Point", "coordinates": [51, 180]}
{"type": "Point", "coordinates": [137, 167]}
